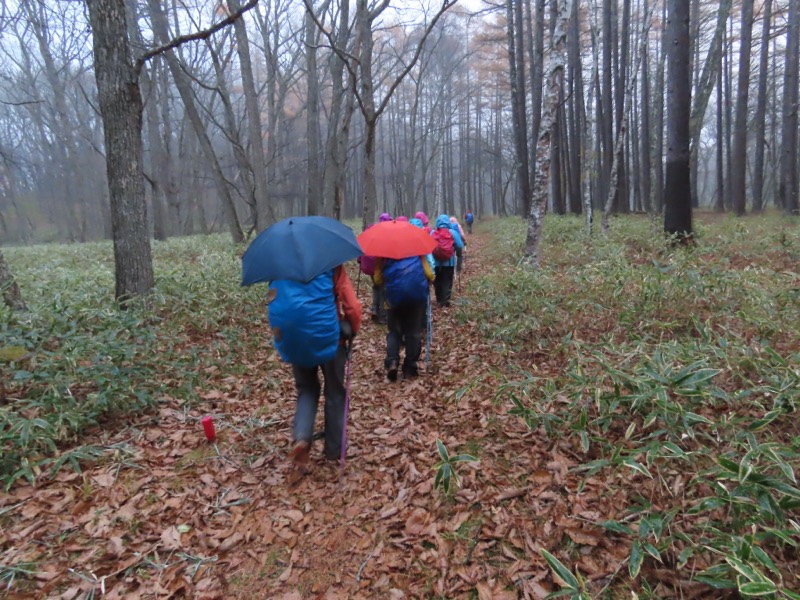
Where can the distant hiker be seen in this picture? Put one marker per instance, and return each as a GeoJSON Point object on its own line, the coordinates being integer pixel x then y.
{"type": "Point", "coordinates": [419, 223]}
{"type": "Point", "coordinates": [406, 281]}
{"type": "Point", "coordinates": [454, 224]}
{"type": "Point", "coordinates": [447, 240]}
{"type": "Point", "coordinates": [469, 218]}
{"type": "Point", "coordinates": [424, 219]}
{"type": "Point", "coordinates": [367, 265]}
{"type": "Point", "coordinates": [402, 218]}
{"type": "Point", "coordinates": [312, 323]}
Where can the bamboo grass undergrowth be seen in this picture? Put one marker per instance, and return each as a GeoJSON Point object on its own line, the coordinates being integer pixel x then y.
{"type": "Point", "coordinates": [673, 368]}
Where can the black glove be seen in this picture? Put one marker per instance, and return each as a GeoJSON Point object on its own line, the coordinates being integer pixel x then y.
{"type": "Point", "coordinates": [346, 330]}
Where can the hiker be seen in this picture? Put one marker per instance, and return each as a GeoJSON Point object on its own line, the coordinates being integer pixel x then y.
{"type": "Point", "coordinates": [447, 240]}
{"type": "Point", "coordinates": [420, 224]}
{"type": "Point", "coordinates": [401, 219]}
{"type": "Point", "coordinates": [312, 324]}
{"type": "Point", "coordinates": [469, 218]}
{"type": "Point", "coordinates": [406, 281]}
{"type": "Point", "coordinates": [454, 224]}
{"type": "Point", "coordinates": [367, 266]}
{"type": "Point", "coordinates": [424, 220]}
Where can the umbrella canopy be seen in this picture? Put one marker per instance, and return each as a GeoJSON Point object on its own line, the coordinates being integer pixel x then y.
{"type": "Point", "coordinates": [396, 239]}
{"type": "Point", "coordinates": [298, 248]}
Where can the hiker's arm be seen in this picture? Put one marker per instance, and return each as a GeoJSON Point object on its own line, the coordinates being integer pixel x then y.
{"type": "Point", "coordinates": [346, 295]}
{"type": "Point", "coordinates": [457, 239]}
{"type": "Point", "coordinates": [426, 266]}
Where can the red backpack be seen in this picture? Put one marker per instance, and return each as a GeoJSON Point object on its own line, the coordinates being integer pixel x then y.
{"type": "Point", "coordinates": [445, 246]}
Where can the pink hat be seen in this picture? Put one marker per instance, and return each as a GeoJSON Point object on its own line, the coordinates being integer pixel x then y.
{"type": "Point", "coordinates": [401, 219]}
{"type": "Point", "coordinates": [422, 217]}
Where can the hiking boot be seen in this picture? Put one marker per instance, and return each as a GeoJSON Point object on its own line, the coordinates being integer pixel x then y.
{"type": "Point", "coordinates": [410, 372]}
{"type": "Point", "coordinates": [391, 371]}
{"type": "Point", "coordinates": [300, 453]}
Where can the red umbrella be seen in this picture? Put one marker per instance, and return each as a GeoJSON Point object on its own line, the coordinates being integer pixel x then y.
{"type": "Point", "coordinates": [393, 239]}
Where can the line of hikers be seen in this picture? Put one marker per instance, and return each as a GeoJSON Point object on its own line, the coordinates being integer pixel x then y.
{"type": "Point", "coordinates": [314, 323]}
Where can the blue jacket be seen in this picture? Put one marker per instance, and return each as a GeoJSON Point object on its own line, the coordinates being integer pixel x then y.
{"type": "Point", "coordinates": [443, 221]}
{"type": "Point", "coordinates": [429, 257]}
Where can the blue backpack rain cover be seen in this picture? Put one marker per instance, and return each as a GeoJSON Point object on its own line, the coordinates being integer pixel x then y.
{"type": "Point", "coordinates": [405, 281]}
{"type": "Point", "coordinates": [304, 320]}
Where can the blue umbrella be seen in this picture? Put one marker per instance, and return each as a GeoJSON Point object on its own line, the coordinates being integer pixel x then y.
{"type": "Point", "coordinates": [298, 248]}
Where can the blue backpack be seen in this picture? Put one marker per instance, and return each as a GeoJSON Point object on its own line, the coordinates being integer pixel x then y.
{"type": "Point", "coordinates": [470, 218]}
{"type": "Point", "coordinates": [304, 320]}
{"type": "Point", "coordinates": [405, 281]}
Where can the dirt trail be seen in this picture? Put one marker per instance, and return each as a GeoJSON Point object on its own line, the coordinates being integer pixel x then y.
{"type": "Point", "coordinates": [173, 516]}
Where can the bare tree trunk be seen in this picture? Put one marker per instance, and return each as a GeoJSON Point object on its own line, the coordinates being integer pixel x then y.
{"type": "Point", "coordinates": [678, 192]}
{"type": "Point", "coordinates": [761, 111]}
{"type": "Point", "coordinates": [11, 294]}
{"type": "Point", "coordinates": [626, 106]}
{"type": "Point", "coordinates": [264, 212]}
{"type": "Point", "coordinates": [705, 87]}
{"type": "Point", "coordinates": [787, 188]}
{"type": "Point", "coordinates": [517, 77]}
{"type": "Point", "coordinates": [739, 157]}
{"type": "Point", "coordinates": [554, 76]}
{"type": "Point", "coordinates": [314, 191]}
{"type": "Point", "coordinates": [720, 201]}
{"type": "Point", "coordinates": [161, 31]}
{"type": "Point", "coordinates": [121, 107]}
{"type": "Point", "coordinates": [646, 135]}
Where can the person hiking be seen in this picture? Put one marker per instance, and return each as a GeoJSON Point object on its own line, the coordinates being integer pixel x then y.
{"type": "Point", "coordinates": [469, 218]}
{"type": "Point", "coordinates": [312, 324]}
{"type": "Point", "coordinates": [423, 219]}
{"type": "Point", "coordinates": [454, 224]}
{"type": "Point", "coordinates": [367, 266]}
{"type": "Point", "coordinates": [406, 281]}
{"type": "Point", "coordinates": [447, 240]}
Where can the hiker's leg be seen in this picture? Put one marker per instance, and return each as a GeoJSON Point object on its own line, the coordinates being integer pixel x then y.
{"type": "Point", "coordinates": [437, 284]}
{"type": "Point", "coordinates": [382, 303]}
{"type": "Point", "coordinates": [393, 338]}
{"type": "Point", "coordinates": [447, 284]}
{"type": "Point", "coordinates": [334, 403]}
{"type": "Point", "coordinates": [376, 302]}
{"type": "Point", "coordinates": [459, 259]}
{"type": "Point", "coordinates": [305, 412]}
{"type": "Point", "coordinates": [414, 323]}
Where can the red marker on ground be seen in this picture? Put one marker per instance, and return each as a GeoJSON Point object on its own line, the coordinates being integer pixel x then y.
{"type": "Point", "coordinates": [208, 427]}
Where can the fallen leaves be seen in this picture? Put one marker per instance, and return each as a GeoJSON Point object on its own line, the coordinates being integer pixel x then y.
{"type": "Point", "coordinates": [177, 516]}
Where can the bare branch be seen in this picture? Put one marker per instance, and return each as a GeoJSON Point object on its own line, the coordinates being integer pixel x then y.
{"type": "Point", "coordinates": [198, 35]}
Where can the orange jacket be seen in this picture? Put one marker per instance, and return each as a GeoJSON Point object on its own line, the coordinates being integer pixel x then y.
{"type": "Point", "coordinates": [346, 300]}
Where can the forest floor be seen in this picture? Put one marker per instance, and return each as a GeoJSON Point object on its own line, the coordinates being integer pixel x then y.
{"type": "Point", "coordinates": [172, 515]}
{"type": "Point", "coordinates": [167, 514]}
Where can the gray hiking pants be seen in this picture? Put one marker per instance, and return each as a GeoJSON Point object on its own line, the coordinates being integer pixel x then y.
{"type": "Point", "coordinates": [308, 390]}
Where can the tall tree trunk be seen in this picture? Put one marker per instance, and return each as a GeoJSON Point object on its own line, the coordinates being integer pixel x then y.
{"type": "Point", "coordinates": [677, 188]}
{"type": "Point", "coordinates": [516, 76]}
{"type": "Point", "coordinates": [161, 32]}
{"type": "Point", "coordinates": [314, 191]}
{"type": "Point", "coordinates": [704, 87]}
{"type": "Point", "coordinates": [658, 151]}
{"type": "Point", "coordinates": [720, 201]}
{"type": "Point", "coordinates": [645, 136]}
{"type": "Point", "coordinates": [121, 107]}
{"type": "Point", "coordinates": [606, 103]}
{"type": "Point", "coordinates": [761, 110]}
{"type": "Point", "coordinates": [576, 114]}
{"type": "Point", "coordinates": [264, 212]}
{"type": "Point", "coordinates": [553, 85]}
{"type": "Point", "coordinates": [787, 188]}
{"type": "Point", "coordinates": [739, 157]}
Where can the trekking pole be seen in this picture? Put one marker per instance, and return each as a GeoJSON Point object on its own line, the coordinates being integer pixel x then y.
{"type": "Point", "coordinates": [358, 288]}
{"type": "Point", "coordinates": [428, 337]}
{"type": "Point", "coordinates": [346, 407]}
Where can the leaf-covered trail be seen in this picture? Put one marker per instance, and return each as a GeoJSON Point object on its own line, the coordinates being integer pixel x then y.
{"type": "Point", "coordinates": [173, 516]}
